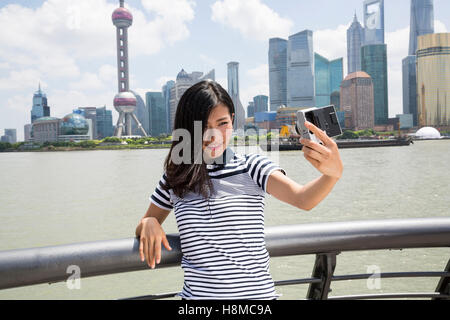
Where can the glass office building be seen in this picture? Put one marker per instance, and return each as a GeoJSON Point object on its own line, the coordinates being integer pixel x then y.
{"type": "Point", "coordinates": [261, 103]}
{"type": "Point", "coordinates": [433, 80]}
{"type": "Point", "coordinates": [251, 109]}
{"type": "Point", "coordinates": [166, 94]}
{"type": "Point", "coordinates": [157, 113]}
{"type": "Point", "coordinates": [328, 78]}
{"type": "Point", "coordinates": [409, 87]}
{"type": "Point", "coordinates": [373, 22]}
{"type": "Point", "coordinates": [233, 91]}
{"type": "Point", "coordinates": [374, 63]}
{"type": "Point", "coordinates": [277, 72]}
{"type": "Point", "coordinates": [422, 22]}
{"type": "Point", "coordinates": [355, 39]}
{"type": "Point", "coordinates": [300, 70]}
{"type": "Point", "coordinates": [40, 108]}
{"type": "Point", "coordinates": [104, 123]}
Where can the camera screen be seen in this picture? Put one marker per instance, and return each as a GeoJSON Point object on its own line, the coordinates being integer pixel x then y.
{"type": "Point", "coordinates": [310, 117]}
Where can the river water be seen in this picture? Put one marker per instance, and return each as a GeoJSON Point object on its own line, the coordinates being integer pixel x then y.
{"type": "Point", "coordinates": [51, 198]}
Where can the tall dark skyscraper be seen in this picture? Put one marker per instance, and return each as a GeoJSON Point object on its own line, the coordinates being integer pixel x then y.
{"type": "Point", "coordinates": [355, 39]}
{"type": "Point", "coordinates": [157, 113]}
{"type": "Point", "coordinates": [374, 63]}
{"type": "Point", "coordinates": [300, 70]}
{"type": "Point", "coordinates": [422, 22]}
{"type": "Point", "coordinates": [277, 72]}
{"type": "Point", "coordinates": [233, 91]}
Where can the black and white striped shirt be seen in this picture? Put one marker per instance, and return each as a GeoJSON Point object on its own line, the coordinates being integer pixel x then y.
{"type": "Point", "coordinates": [222, 238]}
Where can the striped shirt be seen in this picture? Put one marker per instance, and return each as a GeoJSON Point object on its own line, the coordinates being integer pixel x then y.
{"type": "Point", "coordinates": [222, 237]}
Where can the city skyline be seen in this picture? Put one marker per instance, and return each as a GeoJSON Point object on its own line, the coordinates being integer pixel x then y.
{"type": "Point", "coordinates": [80, 73]}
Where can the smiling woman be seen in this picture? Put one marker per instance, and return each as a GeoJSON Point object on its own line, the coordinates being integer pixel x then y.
{"type": "Point", "coordinates": [218, 200]}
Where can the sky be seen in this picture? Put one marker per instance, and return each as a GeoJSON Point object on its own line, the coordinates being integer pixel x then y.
{"type": "Point", "coordinates": [69, 46]}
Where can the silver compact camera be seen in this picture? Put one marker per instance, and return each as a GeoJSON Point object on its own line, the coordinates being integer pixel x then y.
{"type": "Point", "coordinates": [324, 118]}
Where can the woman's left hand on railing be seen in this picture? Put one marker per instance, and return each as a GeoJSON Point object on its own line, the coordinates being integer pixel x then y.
{"type": "Point", "coordinates": [151, 236]}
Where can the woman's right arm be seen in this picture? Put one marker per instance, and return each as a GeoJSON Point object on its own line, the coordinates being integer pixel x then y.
{"type": "Point", "coordinates": [151, 234]}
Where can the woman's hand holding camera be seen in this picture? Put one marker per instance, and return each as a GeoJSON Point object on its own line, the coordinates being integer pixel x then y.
{"type": "Point", "coordinates": [324, 158]}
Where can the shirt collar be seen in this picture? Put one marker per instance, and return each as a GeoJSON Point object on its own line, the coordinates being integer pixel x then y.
{"type": "Point", "coordinates": [225, 158]}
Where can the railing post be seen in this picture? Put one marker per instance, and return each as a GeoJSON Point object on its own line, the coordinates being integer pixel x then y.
{"type": "Point", "coordinates": [443, 286]}
{"type": "Point", "coordinates": [324, 270]}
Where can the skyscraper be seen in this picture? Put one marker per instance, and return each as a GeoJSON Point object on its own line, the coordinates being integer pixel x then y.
{"type": "Point", "coordinates": [433, 79]}
{"type": "Point", "coordinates": [125, 101]}
{"type": "Point", "coordinates": [233, 91]}
{"type": "Point", "coordinates": [357, 101]}
{"type": "Point", "coordinates": [300, 70]}
{"type": "Point", "coordinates": [355, 39]}
{"type": "Point", "coordinates": [251, 109]}
{"type": "Point", "coordinates": [277, 73]}
{"type": "Point", "coordinates": [373, 21]}
{"type": "Point", "coordinates": [10, 136]}
{"type": "Point", "coordinates": [374, 63]}
{"type": "Point", "coordinates": [409, 87]}
{"type": "Point", "coordinates": [104, 123]}
{"type": "Point", "coordinates": [328, 77]}
{"type": "Point", "coordinates": [40, 108]}
{"type": "Point", "coordinates": [27, 132]}
{"type": "Point", "coordinates": [157, 113]}
{"type": "Point", "coordinates": [166, 94]}
{"type": "Point", "coordinates": [261, 103]}
{"type": "Point", "coordinates": [422, 22]}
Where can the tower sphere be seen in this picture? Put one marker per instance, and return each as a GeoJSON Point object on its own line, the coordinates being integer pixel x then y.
{"type": "Point", "coordinates": [125, 101]}
{"type": "Point", "coordinates": [122, 18]}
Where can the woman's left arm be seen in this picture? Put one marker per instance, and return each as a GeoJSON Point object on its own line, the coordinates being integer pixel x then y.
{"type": "Point", "coordinates": [325, 158]}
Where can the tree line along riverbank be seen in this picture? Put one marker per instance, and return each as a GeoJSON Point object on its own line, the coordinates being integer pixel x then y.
{"type": "Point", "coordinates": [114, 143]}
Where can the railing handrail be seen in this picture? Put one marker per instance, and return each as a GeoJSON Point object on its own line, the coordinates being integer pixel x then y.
{"type": "Point", "coordinates": [23, 267]}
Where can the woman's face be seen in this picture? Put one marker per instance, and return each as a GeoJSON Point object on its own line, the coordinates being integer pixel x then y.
{"type": "Point", "coordinates": [218, 132]}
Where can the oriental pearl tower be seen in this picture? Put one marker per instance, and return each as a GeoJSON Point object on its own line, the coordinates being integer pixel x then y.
{"type": "Point", "coordinates": [124, 101]}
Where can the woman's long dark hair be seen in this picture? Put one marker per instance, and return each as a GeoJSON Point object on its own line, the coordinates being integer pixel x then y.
{"type": "Point", "coordinates": [195, 105]}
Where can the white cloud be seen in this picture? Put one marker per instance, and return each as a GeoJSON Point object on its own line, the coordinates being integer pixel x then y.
{"type": "Point", "coordinates": [174, 14]}
{"type": "Point", "coordinates": [252, 18]}
{"type": "Point", "coordinates": [207, 61]}
{"type": "Point", "coordinates": [19, 103]}
{"type": "Point", "coordinates": [332, 43]}
{"type": "Point", "coordinates": [62, 102]}
{"type": "Point", "coordinates": [439, 27]}
{"type": "Point", "coordinates": [19, 80]}
{"type": "Point", "coordinates": [258, 78]}
{"type": "Point", "coordinates": [89, 81]}
{"type": "Point", "coordinates": [161, 81]}
{"type": "Point", "coordinates": [223, 82]}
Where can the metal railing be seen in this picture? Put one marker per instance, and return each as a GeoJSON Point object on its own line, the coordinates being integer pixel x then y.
{"type": "Point", "coordinates": [24, 267]}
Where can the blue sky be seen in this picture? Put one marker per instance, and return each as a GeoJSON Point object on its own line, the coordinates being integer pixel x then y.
{"type": "Point", "coordinates": [69, 46]}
